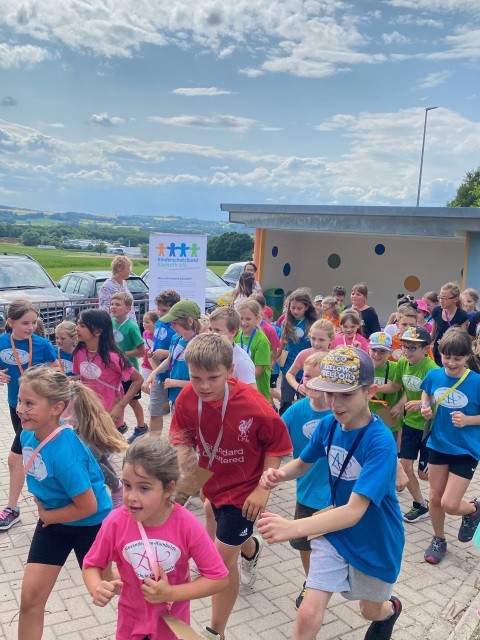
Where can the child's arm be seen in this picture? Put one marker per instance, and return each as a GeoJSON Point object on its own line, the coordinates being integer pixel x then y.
{"type": "Point", "coordinates": [274, 528]}
{"type": "Point", "coordinates": [160, 354]}
{"type": "Point", "coordinates": [390, 387]}
{"type": "Point", "coordinates": [434, 330]}
{"type": "Point", "coordinates": [117, 410]}
{"type": "Point", "coordinates": [102, 591]}
{"type": "Point", "coordinates": [138, 352]}
{"type": "Point", "coordinates": [398, 409]}
{"type": "Point", "coordinates": [290, 376]}
{"type": "Point", "coordinates": [170, 383]}
{"type": "Point", "coordinates": [290, 471]}
{"type": "Point", "coordinates": [162, 367]}
{"type": "Point", "coordinates": [82, 506]}
{"type": "Point", "coordinates": [259, 369]}
{"type": "Point", "coordinates": [159, 591]}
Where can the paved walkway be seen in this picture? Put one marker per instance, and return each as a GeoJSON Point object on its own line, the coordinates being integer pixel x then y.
{"type": "Point", "coordinates": [436, 600]}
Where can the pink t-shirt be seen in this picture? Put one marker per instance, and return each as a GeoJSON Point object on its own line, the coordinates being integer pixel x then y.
{"type": "Point", "coordinates": [105, 381]}
{"type": "Point", "coordinates": [148, 339]}
{"type": "Point", "coordinates": [173, 543]}
{"type": "Point", "coordinates": [302, 356]}
{"type": "Point", "coordinates": [271, 334]}
{"type": "Point", "coordinates": [340, 340]}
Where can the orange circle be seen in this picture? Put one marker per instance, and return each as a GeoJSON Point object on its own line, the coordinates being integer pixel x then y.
{"type": "Point", "coordinates": [411, 283]}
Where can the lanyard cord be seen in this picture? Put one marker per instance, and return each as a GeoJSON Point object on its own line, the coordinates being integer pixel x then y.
{"type": "Point", "coordinates": [212, 452]}
{"type": "Point", "coordinates": [15, 353]}
{"type": "Point", "coordinates": [249, 341]}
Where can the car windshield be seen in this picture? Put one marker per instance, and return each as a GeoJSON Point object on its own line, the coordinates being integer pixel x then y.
{"type": "Point", "coordinates": [18, 274]}
{"type": "Point", "coordinates": [213, 280]}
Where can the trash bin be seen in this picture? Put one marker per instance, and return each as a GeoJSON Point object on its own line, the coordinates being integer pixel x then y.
{"type": "Point", "coordinates": [275, 298]}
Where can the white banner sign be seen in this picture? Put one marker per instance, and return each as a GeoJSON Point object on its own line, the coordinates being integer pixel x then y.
{"type": "Point", "coordinates": [178, 262]}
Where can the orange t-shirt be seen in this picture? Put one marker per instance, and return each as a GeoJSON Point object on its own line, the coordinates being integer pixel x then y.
{"type": "Point", "coordinates": [397, 351]}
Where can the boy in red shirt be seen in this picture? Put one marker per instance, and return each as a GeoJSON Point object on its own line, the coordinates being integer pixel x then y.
{"type": "Point", "coordinates": [238, 436]}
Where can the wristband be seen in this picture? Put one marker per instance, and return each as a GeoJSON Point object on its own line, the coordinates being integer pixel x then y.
{"type": "Point", "coordinates": [425, 404]}
{"type": "Point", "coordinates": [298, 387]}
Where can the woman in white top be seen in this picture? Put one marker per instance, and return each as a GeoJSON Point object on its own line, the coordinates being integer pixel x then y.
{"type": "Point", "coordinates": [251, 267]}
{"type": "Point", "coordinates": [121, 269]}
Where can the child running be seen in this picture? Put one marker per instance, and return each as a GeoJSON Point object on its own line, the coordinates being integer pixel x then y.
{"type": "Point", "coordinates": [66, 339]}
{"type": "Point", "coordinates": [20, 349]}
{"type": "Point", "coordinates": [255, 343]}
{"type": "Point", "coordinates": [451, 396]}
{"type": "Point", "coordinates": [67, 485]}
{"type": "Point", "coordinates": [350, 323]}
{"type": "Point", "coordinates": [448, 314]}
{"type": "Point", "coordinates": [359, 551]}
{"type": "Point", "coordinates": [149, 321]}
{"type": "Point", "coordinates": [151, 540]}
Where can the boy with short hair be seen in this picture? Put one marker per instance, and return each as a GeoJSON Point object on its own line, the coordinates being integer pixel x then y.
{"type": "Point", "coordinates": [129, 339]}
{"type": "Point", "coordinates": [406, 317]}
{"type": "Point", "coordinates": [239, 436]}
{"type": "Point", "coordinates": [347, 557]}
{"type": "Point", "coordinates": [339, 294]}
{"type": "Point", "coordinates": [409, 374]}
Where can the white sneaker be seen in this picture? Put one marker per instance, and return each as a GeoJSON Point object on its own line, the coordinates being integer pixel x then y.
{"type": "Point", "coordinates": [248, 568]}
{"type": "Point", "coordinates": [117, 496]}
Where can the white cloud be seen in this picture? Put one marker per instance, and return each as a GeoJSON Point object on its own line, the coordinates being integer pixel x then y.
{"type": "Point", "coordinates": [18, 55]}
{"type": "Point", "coordinates": [447, 6]}
{"type": "Point", "coordinates": [201, 91]}
{"type": "Point", "coordinates": [394, 38]}
{"type": "Point", "coordinates": [104, 120]}
{"type": "Point", "coordinates": [56, 125]}
{"type": "Point", "coordinates": [96, 175]}
{"type": "Point", "coordinates": [234, 123]}
{"type": "Point", "coordinates": [156, 180]}
{"type": "Point", "coordinates": [434, 79]}
{"type": "Point", "coordinates": [410, 19]}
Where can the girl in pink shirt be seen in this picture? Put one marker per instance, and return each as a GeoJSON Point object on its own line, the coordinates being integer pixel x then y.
{"type": "Point", "coordinates": [151, 539]}
{"type": "Point", "coordinates": [149, 321]}
{"type": "Point", "coordinates": [350, 335]}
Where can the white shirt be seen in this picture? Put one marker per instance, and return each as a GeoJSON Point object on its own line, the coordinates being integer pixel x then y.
{"type": "Point", "coordinates": [243, 367]}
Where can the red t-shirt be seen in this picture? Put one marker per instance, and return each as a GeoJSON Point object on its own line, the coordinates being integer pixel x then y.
{"type": "Point", "coordinates": [271, 334]}
{"type": "Point", "coordinates": [251, 431]}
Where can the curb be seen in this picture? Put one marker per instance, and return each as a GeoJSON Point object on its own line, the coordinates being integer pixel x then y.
{"type": "Point", "coordinates": [468, 623]}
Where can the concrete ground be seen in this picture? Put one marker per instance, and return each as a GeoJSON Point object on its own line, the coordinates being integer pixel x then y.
{"type": "Point", "coordinates": [439, 602]}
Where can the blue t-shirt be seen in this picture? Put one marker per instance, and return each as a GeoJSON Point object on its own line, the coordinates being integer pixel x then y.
{"type": "Point", "coordinates": [313, 489]}
{"type": "Point", "coordinates": [375, 544]}
{"type": "Point", "coordinates": [445, 437]}
{"type": "Point", "coordinates": [178, 368]}
{"type": "Point", "coordinates": [67, 361]}
{"type": "Point", "coordinates": [62, 469]}
{"type": "Point", "coordinates": [162, 338]}
{"type": "Point", "coordinates": [294, 348]}
{"type": "Point", "coordinates": [42, 351]}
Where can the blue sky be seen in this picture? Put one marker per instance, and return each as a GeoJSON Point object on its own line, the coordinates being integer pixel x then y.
{"type": "Point", "coordinates": [158, 108]}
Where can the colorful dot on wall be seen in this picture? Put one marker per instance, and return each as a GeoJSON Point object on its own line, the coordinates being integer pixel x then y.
{"type": "Point", "coordinates": [334, 261]}
{"type": "Point", "coordinates": [379, 249]}
{"type": "Point", "coordinates": [286, 269]}
{"type": "Point", "coordinates": [411, 283]}
{"type": "Point", "coordinates": [274, 252]}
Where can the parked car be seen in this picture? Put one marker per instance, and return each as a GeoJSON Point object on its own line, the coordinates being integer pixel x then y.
{"type": "Point", "coordinates": [21, 276]}
{"type": "Point", "coordinates": [85, 286]}
{"type": "Point", "coordinates": [233, 272]}
{"type": "Point", "coordinates": [215, 289]}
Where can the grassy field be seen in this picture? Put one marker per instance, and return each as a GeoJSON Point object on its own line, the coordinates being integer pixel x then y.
{"type": "Point", "coordinates": [58, 262]}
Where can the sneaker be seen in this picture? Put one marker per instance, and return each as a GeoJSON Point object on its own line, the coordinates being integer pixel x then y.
{"type": "Point", "coordinates": [469, 524]}
{"type": "Point", "coordinates": [436, 550]}
{"type": "Point", "coordinates": [138, 431]}
{"type": "Point", "coordinates": [117, 496]}
{"type": "Point", "coordinates": [211, 634]}
{"type": "Point", "coordinates": [382, 629]}
{"type": "Point", "coordinates": [248, 566]}
{"type": "Point", "coordinates": [9, 517]}
{"type": "Point", "coordinates": [123, 429]}
{"type": "Point", "coordinates": [417, 512]}
{"type": "Point", "coordinates": [300, 598]}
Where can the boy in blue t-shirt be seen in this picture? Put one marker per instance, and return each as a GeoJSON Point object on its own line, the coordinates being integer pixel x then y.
{"type": "Point", "coordinates": [313, 489]}
{"type": "Point", "coordinates": [359, 540]}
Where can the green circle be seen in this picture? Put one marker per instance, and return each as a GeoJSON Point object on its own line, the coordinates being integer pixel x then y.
{"type": "Point", "coordinates": [334, 261]}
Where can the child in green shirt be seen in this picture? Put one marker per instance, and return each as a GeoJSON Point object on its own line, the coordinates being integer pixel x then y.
{"type": "Point", "coordinates": [252, 340]}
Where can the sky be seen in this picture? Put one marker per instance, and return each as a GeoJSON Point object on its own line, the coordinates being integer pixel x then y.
{"type": "Point", "coordinates": [171, 108]}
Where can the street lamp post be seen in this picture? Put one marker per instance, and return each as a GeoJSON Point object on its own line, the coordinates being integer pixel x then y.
{"type": "Point", "coordinates": [423, 149]}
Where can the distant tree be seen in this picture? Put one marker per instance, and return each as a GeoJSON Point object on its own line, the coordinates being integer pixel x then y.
{"type": "Point", "coordinates": [230, 246]}
{"type": "Point", "coordinates": [468, 193]}
{"type": "Point", "coordinates": [31, 238]}
{"type": "Point", "coordinates": [144, 249]}
{"type": "Point", "coordinates": [100, 248]}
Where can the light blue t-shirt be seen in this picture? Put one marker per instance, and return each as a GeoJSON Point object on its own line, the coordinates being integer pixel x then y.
{"type": "Point", "coordinates": [294, 348]}
{"type": "Point", "coordinates": [313, 489]}
{"type": "Point", "coordinates": [375, 544]}
{"type": "Point", "coordinates": [178, 368]}
{"type": "Point", "coordinates": [62, 469]}
{"type": "Point", "coordinates": [445, 437]}
{"type": "Point", "coordinates": [162, 338]}
{"type": "Point", "coordinates": [42, 351]}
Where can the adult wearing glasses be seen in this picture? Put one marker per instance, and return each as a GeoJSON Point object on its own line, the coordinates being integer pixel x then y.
{"type": "Point", "coordinates": [448, 314]}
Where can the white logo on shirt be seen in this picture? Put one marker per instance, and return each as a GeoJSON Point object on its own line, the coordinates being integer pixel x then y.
{"type": "Point", "coordinates": [412, 383]}
{"type": "Point", "coordinates": [7, 356]}
{"type": "Point", "coordinates": [38, 469]}
{"type": "Point", "coordinates": [379, 381]}
{"type": "Point", "coordinates": [397, 354]}
{"type": "Point", "coordinates": [309, 427]}
{"type": "Point", "coordinates": [244, 428]}
{"type": "Point", "coordinates": [90, 370]}
{"type": "Point", "coordinates": [165, 553]}
{"type": "Point", "coordinates": [161, 333]}
{"type": "Point", "coordinates": [67, 366]}
{"type": "Point", "coordinates": [335, 461]}
{"type": "Point", "coordinates": [299, 332]}
{"type": "Point", "coordinates": [117, 335]}
{"type": "Point", "coordinates": [455, 399]}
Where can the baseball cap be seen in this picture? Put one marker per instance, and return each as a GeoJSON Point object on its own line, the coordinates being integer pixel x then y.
{"type": "Point", "coordinates": [344, 369]}
{"type": "Point", "coordinates": [182, 309]}
{"type": "Point", "coordinates": [422, 306]}
{"type": "Point", "coordinates": [380, 340]}
{"type": "Point", "coordinates": [415, 333]}
{"type": "Point", "coordinates": [267, 311]}
{"type": "Point", "coordinates": [318, 298]}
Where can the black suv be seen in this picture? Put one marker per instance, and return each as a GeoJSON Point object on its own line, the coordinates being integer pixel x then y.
{"type": "Point", "coordinates": [22, 277]}
{"type": "Point", "coordinates": [85, 286]}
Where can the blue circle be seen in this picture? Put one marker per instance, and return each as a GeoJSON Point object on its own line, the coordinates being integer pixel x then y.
{"type": "Point", "coordinates": [275, 251]}
{"type": "Point", "coordinates": [379, 249]}
{"type": "Point", "coordinates": [286, 269]}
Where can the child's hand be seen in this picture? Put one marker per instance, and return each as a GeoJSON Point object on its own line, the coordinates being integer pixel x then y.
{"type": "Point", "coordinates": [170, 383]}
{"type": "Point", "coordinates": [255, 503]}
{"type": "Point", "coordinates": [271, 477]}
{"type": "Point", "coordinates": [105, 591]}
{"type": "Point", "coordinates": [412, 405]}
{"type": "Point", "coordinates": [42, 513]}
{"type": "Point", "coordinates": [274, 528]}
{"type": "Point", "coordinates": [459, 419]}
{"type": "Point", "coordinates": [401, 480]}
{"type": "Point", "coordinates": [4, 377]}
{"type": "Point", "coordinates": [302, 390]}
{"type": "Point", "coordinates": [357, 344]}
{"type": "Point", "coordinates": [157, 591]}
{"type": "Point", "coordinates": [116, 413]}
{"type": "Point", "coordinates": [426, 412]}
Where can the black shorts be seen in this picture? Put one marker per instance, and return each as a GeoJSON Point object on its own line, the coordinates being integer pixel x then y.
{"type": "Point", "coordinates": [273, 380]}
{"type": "Point", "coordinates": [412, 445]}
{"type": "Point", "coordinates": [126, 384]}
{"type": "Point", "coordinates": [53, 544]}
{"type": "Point", "coordinates": [232, 528]}
{"type": "Point", "coordinates": [463, 465]}
{"type": "Point", "coordinates": [302, 511]}
{"type": "Point", "coordinates": [17, 427]}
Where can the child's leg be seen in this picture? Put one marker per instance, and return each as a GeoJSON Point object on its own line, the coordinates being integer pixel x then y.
{"type": "Point", "coordinates": [288, 395]}
{"type": "Point", "coordinates": [17, 478]}
{"type": "Point", "coordinates": [310, 615]}
{"type": "Point", "coordinates": [210, 524]}
{"type": "Point", "coordinates": [305, 558]}
{"type": "Point", "coordinates": [383, 615]}
{"type": "Point", "coordinates": [38, 582]}
{"type": "Point", "coordinates": [413, 485]}
{"type": "Point", "coordinates": [138, 412]}
{"type": "Point", "coordinates": [158, 398]}
{"type": "Point", "coordinates": [223, 602]}
{"type": "Point", "coordinates": [438, 475]}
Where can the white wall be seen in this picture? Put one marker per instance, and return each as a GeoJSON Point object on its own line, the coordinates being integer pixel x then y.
{"type": "Point", "coordinates": [433, 261]}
